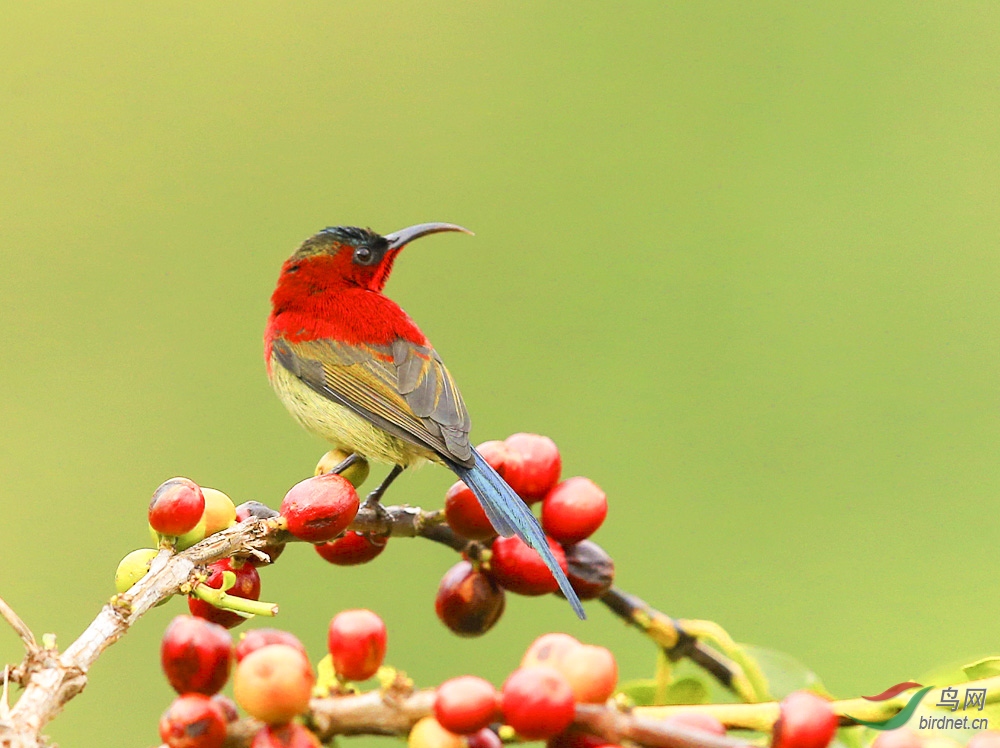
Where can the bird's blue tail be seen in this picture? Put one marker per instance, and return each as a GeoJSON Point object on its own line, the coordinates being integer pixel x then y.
{"type": "Point", "coordinates": [511, 516]}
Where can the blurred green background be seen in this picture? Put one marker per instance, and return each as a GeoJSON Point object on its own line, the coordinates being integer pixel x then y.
{"type": "Point", "coordinates": [739, 259]}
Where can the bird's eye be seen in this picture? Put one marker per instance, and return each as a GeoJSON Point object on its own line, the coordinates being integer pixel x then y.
{"type": "Point", "coordinates": [362, 255]}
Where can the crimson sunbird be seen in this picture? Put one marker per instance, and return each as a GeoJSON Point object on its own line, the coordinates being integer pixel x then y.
{"type": "Point", "coordinates": [351, 366]}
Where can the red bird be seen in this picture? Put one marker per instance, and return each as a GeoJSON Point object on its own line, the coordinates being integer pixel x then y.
{"type": "Point", "coordinates": [352, 367]}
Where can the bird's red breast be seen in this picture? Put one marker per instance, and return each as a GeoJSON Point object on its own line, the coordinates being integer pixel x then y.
{"type": "Point", "coordinates": [314, 300]}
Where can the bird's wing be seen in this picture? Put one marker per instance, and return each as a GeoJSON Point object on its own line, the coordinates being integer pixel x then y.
{"type": "Point", "coordinates": [403, 388]}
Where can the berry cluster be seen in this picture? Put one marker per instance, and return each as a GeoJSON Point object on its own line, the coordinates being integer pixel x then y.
{"type": "Point", "coordinates": [273, 682]}
{"type": "Point", "coordinates": [273, 679]}
{"type": "Point", "coordinates": [470, 597]}
{"type": "Point", "coordinates": [183, 513]}
{"type": "Point", "coordinates": [316, 510]}
{"type": "Point", "coordinates": [538, 700]}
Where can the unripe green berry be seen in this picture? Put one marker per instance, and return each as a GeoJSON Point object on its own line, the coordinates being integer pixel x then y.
{"type": "Point", "coordinates": [132, 568]}
{"type": "Point", "coordinates": [356, 473]}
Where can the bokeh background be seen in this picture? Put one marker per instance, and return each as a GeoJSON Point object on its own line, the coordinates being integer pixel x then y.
{"type": "Point", "coordinates": [739, 259]}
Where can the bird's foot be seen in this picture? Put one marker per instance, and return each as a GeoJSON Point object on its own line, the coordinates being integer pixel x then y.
{"type": "Point", "coordinates": [374, 499]}
{"type": "Point", "coordinates": [376, 496]}
{"type": "Point", "coordinates": [374, 503]}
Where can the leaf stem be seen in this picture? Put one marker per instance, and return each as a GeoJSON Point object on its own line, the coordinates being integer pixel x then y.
{"type": "Point", "coordinates": [240, 605]}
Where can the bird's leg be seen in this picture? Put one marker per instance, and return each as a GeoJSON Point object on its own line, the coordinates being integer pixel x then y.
{"type": "Point", "coordinates": [375, 496]}
{"type": "Point", "coordinates": [345, 463]}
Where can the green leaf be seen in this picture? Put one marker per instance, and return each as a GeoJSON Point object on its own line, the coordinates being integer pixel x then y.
{"type": "Point", "coordinates": [984, 668]}
{"type": "Point", "coordinates": [784, 673]}
{"type": "Point", "coordinates": [954, 672]}
{"type": "Point", "coordinates": [642, 692]}
{"type": "Point", "coordinates": [687, 691]}
{"type": "Point", "coordinates": [716, 692]}
{"type": "Point", "coordinates": [690, 690]}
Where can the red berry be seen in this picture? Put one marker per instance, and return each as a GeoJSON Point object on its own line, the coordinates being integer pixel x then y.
{"type": "Point", "coordinates": [247, 586]}
{"type": "Point", "coordinates": [290, 735]}
{"type": "Point", "coordinates": [466, 704]}
{"type": "Point", "coordinates": [484, 738]}
{"type": "Point", "coordinates": [537, 702]}
{"type": "Point", "coordinates": [196, 655]}
{"type": "Point", "coordinates": [357, 641]}
{"type": "Point", "coordinates": [255, 509]}
{"type": "Point", "coordinates": [806, 721]}
{"type": "Point", "coordinates": [465, 514]}
{"type": "Point", "coordinates": [540, 465]}
{"type": "Point", "coordinates": [519, 568]}
{"type": "Point", "coordinates": [549, 650]}
{"type": "Point", "coordinates": [193, 721]}
{"type": "Point", "coordinates": [698, 721]}
{"type": "Point", "coordinates": [591, 572]}
{"type": "Point", "coordinates": [573, 510]}
{"type": "Point", "coordinates": [591, 672]}
{"type": "Point", "coordinates": [274, 683]}
{"type": "Point", "coordinates": [352, 549]}
{"type": "Point", "coordinates": [176, 507]}
{"type": "Point", "coordinates": [256, 638]}
{"type": "Point", "coordinates": [468, 602]}
{"type": "Point", "coordinates": [506, 461]}
{"type": "Point", "coordinates": [228, 707]}
{"type": "Point", "coordinates": [320, 508]}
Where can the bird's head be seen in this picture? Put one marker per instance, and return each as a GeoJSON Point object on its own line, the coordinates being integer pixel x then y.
{"type": "Point", "coordinates": [358, 257]}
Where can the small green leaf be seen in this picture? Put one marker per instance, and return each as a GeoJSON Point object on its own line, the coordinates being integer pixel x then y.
{"type": "Point", "coordinates": [953, 672]}
{"type": "Point", "coordinates": [717, 693]}
{"type": "Point", "coordinates": [641, 692]}
{"type": "Point", "coordinates": [687, 691]}
{"type": "Point", "coordinates": [784, 673]}
{"type": "Point", "coordinates": [984, 668]}
{"type": "Point", "coordinates": [691, 690]}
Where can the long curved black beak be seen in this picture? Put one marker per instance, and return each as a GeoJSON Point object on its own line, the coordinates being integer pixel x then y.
{"type": "Point", "coordinates": [397, 239]}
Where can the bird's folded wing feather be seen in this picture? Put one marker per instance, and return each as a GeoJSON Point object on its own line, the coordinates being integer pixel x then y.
{"type": "Point", "coordinates": [403, 388]}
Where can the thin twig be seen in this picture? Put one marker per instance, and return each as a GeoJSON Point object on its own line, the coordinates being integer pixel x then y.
{"type": "Point", "coordinates": [20, 627]}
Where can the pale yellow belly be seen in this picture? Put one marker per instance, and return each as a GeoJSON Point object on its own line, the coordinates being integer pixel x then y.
{"type": "Point", "coordinates": [340, 426]}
